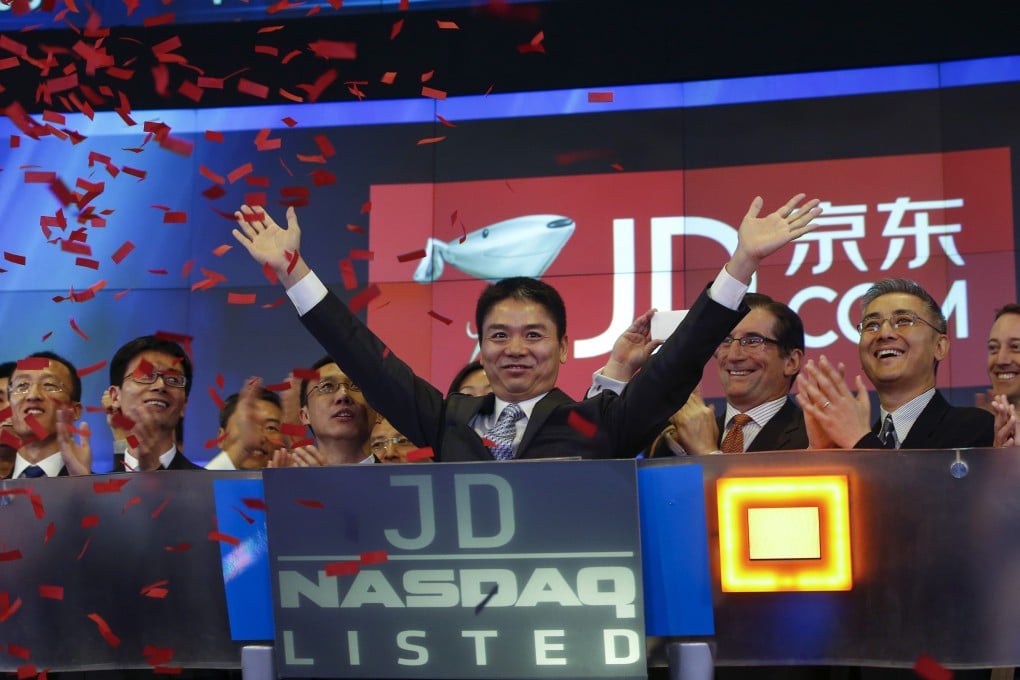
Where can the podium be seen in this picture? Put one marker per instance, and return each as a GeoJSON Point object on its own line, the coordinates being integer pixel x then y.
{"type": "Point", "coordinates": [530, 569]}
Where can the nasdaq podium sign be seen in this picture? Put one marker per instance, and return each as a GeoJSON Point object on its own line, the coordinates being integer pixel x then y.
{"type": "Point", "coordinates": [468, 570]}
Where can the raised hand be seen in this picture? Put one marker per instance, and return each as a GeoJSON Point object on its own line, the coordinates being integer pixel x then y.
{"type": "Point", "coordinates": [837, 418]}
{"type": "Point", "coordinates": [270, 244]}
{"type": "Point", "coordinates": [632, 349]}
{"type": "Point", "coordinates": [77, 456]}
{"type": "Point", "coordinates": [695, 427]}
{"type": "Point", "coordinates": [1005, 421]}
{"type": "Point", "coordinates": [759, 237]}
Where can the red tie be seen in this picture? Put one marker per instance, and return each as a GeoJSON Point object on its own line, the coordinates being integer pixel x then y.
{"type": "Point", "coordinates": [733, 442]}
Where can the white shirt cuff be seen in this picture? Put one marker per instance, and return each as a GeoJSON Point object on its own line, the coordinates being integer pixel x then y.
{"type": "Point", "coordinates": [600, 382]}
{"type": "Point", "coordinates": [727, 291]}
{"type": "Point", "coordinates": [306, 293]}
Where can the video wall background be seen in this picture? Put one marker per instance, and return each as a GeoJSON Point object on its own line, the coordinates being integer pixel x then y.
{"type": "Point", "coordinates": [916, 162]}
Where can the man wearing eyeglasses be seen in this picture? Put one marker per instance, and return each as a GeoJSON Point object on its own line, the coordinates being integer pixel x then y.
{"type": "Point", "coordinates": [45, 398]}
{"type": "Point", "coordinates": [757, 364]}
{"type": "Point", "coordinates": [150, 379]}
{"type": "Point", "coordinates": [336, 412]}
{"type": "Point", "coordinates": [249, 429]}
{"type": "Point", "coordinates": [388, 445]}
{"type": "Point", "coordinates": [902, 340]}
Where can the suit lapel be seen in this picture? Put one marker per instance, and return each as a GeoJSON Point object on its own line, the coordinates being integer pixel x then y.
{"type": "Point", "coordinates": [543, 409]}
{"type": "Point", "coordinates": [921, 434]}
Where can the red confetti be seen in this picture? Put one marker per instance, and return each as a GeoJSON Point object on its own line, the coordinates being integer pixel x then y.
{"type": "Point", "coordinates": [175, 217]}
{"type": "Point", "coordinates": [245, 86]}
{"type": "Point", "coordinates": [254, 504]}
{"type": "Point", "coordinates": [408, 257]}
{"type": "Point", "coordinates": [122, 252]}
{"type": "Point", "coordinates": [430, 140]}
{"type": "Point", "coordinates": [89, 521]}
{"type": "Point", "coordinates": [245, 517]}
{"type": "Point", "coordinates": [240, 172]}
{"type": "Point", "coordinates": [374, 557]}
{"type": "Point", "coordinates": [104, 630]}
{"type": "Point", "coordinates": [134, 501]}
{"type": "Point", "coordinates": [154, 656]}
{"type": "Point", "coordinates": [930, 669]}
{"type": "Point", "coordinates": [5, 611]}
{"type": "Point", "coordinates": [33, 364]}
{"type": "Point", "coordinates": [19, 651]}
{"type": "Point", "coordinates": [79, 331]}
{"type": "Point", "coordinates": [180, 547]}
{"type": "Point", "coordinates": [301, 501]}
{"type": "Point", "coordinates": [388, 78]}
{"type": "Point", "coordinates": [309, 374]}
{"type": "Point", "coordinates": [350, 279]}
{"type": "Point", "coordinates": [157, 511]}
{"type": "Point", "coordinates": [37, 428]}
{"type": "Point", "coordinates": [28, 671]}
{"type": "Point", "coordinates": [82, 372]}
{"type": "Point", "coordinates": [395, 30]}
{"type": "Point", "coordinates": [10, 555]}
{"type": "Point", "coordinates": [12, 257]}
{"type": "Point", "coordinates": [50, 529]}
{"type": "Point", "coordinates": [334, 49]}
{"type": "Point", "coordinates": [84, 548]}
{"type": "Point", "coordinates": [439, 317]}
{"type": "Point", "coordinates": [216, 398]}
{"type": "Point", "coordinates": [361, 300]}
{"type": "Point", "coordinates": [432, 93]}
{"type": "Point", "coordinates": [110, 486]}
{"type": "Point", "coordinates": [584, 427]}
{"type": "Point", "coordinates": [224, 538]}
{"type": "Point", "coordinates": [600, 97]}
{"type": "Point", "coordinates": [240, 298]}
{"type": "Point", "coordinates": [342, 568]}
{"type": "Point", "coordinates": [212, 136]}
{"type": "Point", "coordinates": [447, 25]}
{"type": "Point", "coordinates": [617, 167]}
{"type": "Point", "coordinates": [425, 453]}
{"type": "Point", "coordinates": [51, 592]}
{"type": "Point", "coordinates": [293, 430]}
{"type": "Point", "coordinates": [37, 505]}
{"type": "Point", "coordinates": [158, 20]}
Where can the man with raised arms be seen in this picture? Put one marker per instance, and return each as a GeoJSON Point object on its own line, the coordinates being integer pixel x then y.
{"type": "Point", "coordinates": [522, 326]}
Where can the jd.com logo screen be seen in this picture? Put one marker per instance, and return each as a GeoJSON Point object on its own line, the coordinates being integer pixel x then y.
{"type": "Point", "coordinates": [616, 244]}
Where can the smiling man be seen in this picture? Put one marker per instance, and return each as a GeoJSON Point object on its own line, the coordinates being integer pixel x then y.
{"type": "Point", "coordinates": [522, 332]}
{"type": "Point", "coordinates": [1004, 353]}
{"type": "Point", "coordinates": [45, 397]}
{"type": "Point", "coordinates": [757, 364]}
{"type": "Point", "coordinates": [902, 340]}
{"type": "Point", "coordinates": [150, 379]}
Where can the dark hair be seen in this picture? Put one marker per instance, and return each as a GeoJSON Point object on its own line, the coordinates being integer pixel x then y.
{"type": "Point", "coordinates": [524, 289]}
{"type": "Point", "coordinates": [907, 287]}
{"type": "Point", "coordinates": [75, 380]}
{"type": "Point", "coordinates": [7, 369]}
{"type": "Point", "coordinates": [788, 327]}
{"type": "Point", "coordinates": [1011, 308]}
{"type": "Point", "coordinates": [324, 361]}
{"type": "Point", "coordinates": [230, 405]}
{"type": "Point", "coordinates": [148, 343]}
{"type": "Point", "coordinates": [462, 374]}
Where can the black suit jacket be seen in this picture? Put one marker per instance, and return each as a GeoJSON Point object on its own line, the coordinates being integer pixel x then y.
{"type": "Point", "coordinates": [783, 432]}
{"type": "Point", "coordinates": [624, 424]}
{"type": "Point", "coordinates": [178, 462]}
{"type": "Point", "coordinates": [941, 426]}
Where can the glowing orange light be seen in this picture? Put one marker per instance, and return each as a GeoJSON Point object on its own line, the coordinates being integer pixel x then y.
{"type": "Point", "coordinates": [783, 512]}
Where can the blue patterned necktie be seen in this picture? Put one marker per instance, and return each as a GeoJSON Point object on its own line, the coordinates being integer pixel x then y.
{"type": "Point", "coordinates": [888, 433]}
{"type": "Point", "coordinates": [503, 432]}
{"type": "Point", "coordinates": [33, 471]}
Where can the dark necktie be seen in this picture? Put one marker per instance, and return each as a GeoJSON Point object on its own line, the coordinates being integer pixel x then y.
{"type": "Point", "coordinates": [888, 433]}
{"type": "Point", "coordinates": [503, 432]}
{"type": "Point", "coordinates": [33, 471]}
{"type": "Point", "coordinates": [733, 442]}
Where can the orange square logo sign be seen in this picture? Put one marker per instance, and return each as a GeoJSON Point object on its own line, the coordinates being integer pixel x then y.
{"type": "Point", "coordinates": [781, 534]}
